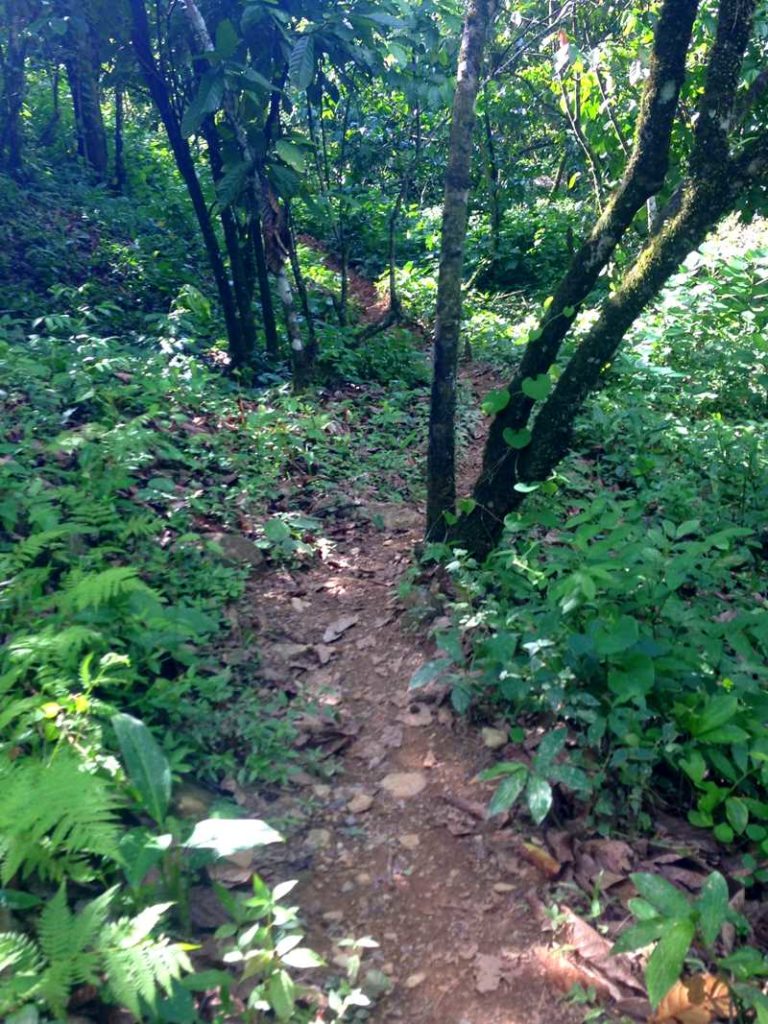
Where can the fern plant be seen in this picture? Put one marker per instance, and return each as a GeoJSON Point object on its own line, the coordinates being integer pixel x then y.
{"type": "Point", "coordinates": [119, 957]}
{"type": "Point", "coordinates": [57, 817]}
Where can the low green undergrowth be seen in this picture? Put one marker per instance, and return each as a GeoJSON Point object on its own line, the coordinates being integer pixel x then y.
{"type": "Point", "coordinates": [626, 606]}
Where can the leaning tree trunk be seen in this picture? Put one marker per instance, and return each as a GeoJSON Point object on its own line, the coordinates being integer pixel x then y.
{"type": "Point", "coordinates": [441, 457]}
{"type": "Point", "coordinates": [716, 179]}
{"type": "Point", "coordinates": [158, 90]}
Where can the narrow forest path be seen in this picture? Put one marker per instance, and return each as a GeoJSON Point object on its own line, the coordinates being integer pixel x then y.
{"type": "Point", "coordinates": [394, 845]}
{"type": "Point", "coordinates": [386, 849]}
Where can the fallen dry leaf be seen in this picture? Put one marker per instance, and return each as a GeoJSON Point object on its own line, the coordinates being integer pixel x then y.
{"type": "Point", "coordinates": [541, 860]}
{"type": "Point", "coordinates": [340, 626]}
{"type": "Point", "coordinates": [695, 1000]}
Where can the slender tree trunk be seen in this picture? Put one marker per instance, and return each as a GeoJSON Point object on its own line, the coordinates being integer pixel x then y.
{"type": "Point", "coordinates": [83, 66]}
{"type": "Point", "coordinates": [441, 458]}
{"type": "Point", "coordinates": [716, 179]}
{"type": "Point", "coordinates": [492, 173]}
{"type": "Point", "coordinates": [242, 281]}
{"type": "Point", "coordinates": [120, 176]}
{"type": "Point", "coordinates": [12, 61]}
{"type": "Point", "coordinates": [271, 338]}
{"type": "Point", "coordinates": [158, 89]}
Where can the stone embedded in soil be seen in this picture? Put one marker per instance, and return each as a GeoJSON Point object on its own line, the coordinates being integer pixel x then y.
{"type": "Point", "coordinates": [375, 984]}
{"type": "Point", "coordinates": [409, 842]}
{"type": "Point", "coordinates": [402, 785]}
{"type": "Point", "coordinates": [360, 803]}
{"type": "Point", "coordinates": [416, 716]}
{"type": "Point", "coordinates": [494, 739]}
{"type": "Point", "coordinates": [318, 838]}
{"type": "Point", "coordinates": [333, 916]}
{"type": "Point", "coordinates": [414, 980]}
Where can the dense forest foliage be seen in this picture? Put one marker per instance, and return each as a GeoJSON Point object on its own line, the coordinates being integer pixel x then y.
{"type": "Point", "coordinates": [254, 254]}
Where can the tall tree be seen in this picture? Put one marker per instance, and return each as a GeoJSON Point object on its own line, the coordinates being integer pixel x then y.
{"type": "Point", "coordinates": [13, 52]}
{"type": "Point", "coordinates": [719, 171]}
{"type": "Point", "coordinates": [82, 61]}
{"type": "Point", "coordinates": [441, 458]}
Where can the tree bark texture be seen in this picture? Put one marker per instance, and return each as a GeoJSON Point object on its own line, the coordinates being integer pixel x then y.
{"type": "Point", "coordinates": [715, 180]}
{"type": "Point", "coordinates": [441, 471]}
{"type": "Point", "coordinates": [12, 64]}
{"type": "Point", "coordinates": [83, 66]}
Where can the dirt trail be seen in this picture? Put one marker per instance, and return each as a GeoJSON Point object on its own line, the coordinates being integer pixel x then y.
{"type": "Point", "coordinates": [445, 897]}
{"type": "Point", "coordinates": [394, 845]}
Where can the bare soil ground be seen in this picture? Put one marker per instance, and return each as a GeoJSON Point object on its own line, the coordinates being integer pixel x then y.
{"type": "Point", "coordinates": [395, 846]}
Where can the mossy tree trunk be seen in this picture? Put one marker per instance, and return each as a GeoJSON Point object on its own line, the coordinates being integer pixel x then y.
{"type": "Point", "coordinates": [715, 180]}
{"type": "Point", "coordinates": [83, 66]}
{"type": "Point", "coordinates": [441, 473]}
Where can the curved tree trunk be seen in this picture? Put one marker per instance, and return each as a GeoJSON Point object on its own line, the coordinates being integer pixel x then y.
{"type": "Point", "coordinates": [441, 459]}
{"type": "Point", "coordinates": [716, 179]}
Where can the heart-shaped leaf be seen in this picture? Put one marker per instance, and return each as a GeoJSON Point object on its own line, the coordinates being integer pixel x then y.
{"type": "Point", "coordinates": [537, 387]}
{"type": "Point", "coordinates": [495, 401]}
{"type": "Point", "coordinates": [517, 438]}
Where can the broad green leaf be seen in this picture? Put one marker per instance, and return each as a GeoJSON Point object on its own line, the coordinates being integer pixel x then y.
{"type": "Point", "coordinates": [617, 637]}
{"type": "Point", "coordinates": [140, 851]}
{"type": "Point", "coordinates": [282, 889]}
{"type": "Point", "coordinates": [719, 710]}
{"type": "Point", "coordinates": [281, 994]}
{"type": "Point", "coordinates": [723, 833]}
{"type": "Point", "coordinates": [712, 905]}
{"type": "Point", "coordinates": [302, 958]}
{"type": "Point", "coordinates": [301, 63]}
{"type": "Point", "coordinates": [694, 766]}
{"type": "Point", "coordinates": [665, 964]}
{"type": "Point", "coordinates": [661, 894]}
{"type": "Point", "coordinates": [427, 672]}
{"type": "Point", "coordinates": [537, 387]}
{"type": "Point", "coordinates": [737, 813]}
{"type": "Point", "coordinates": [207, 100]}
{"type": "Point", "coordinates": [226, 39]}
{"type": "Point", "coordinates": [146, 765]}
{"type": "Point", "coordinates": [497, 771]}
{"type": "Point", "coordinates": [292, 155]}
{"type": "Point", "coordinates": [549, 747]}
{"type": "Point", "coordinates": [639, 935]}
{"type": "Point", "coordinates": [517, 438]}
{"type": "Point", "coordinates": [508, 791]}
{"type": "Point", "coordinates": [538, 796]}
{"type": "Point", "coordinates": [226, 836]}
{"type": "Point", "coordinates": [495, 401]}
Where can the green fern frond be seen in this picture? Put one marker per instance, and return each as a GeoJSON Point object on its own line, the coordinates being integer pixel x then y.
{"type": "Point", "coordinates": [136, 966]}
{"type": "Point", "coordinates": [55, 816]}
{"type": "Point", "coordinates": [18, 953]}
{"type": "Point", "coordinates": [140, 527]}
{"type": "Point", "coordinates": [32, 547]}
{"type": "Point", "coordinates": [99, 588]}
{"type": "Point", "coordinates": [53, 644]}
{"type": "Point", "coordinates": [67, 941]}
{"type": "Point", "coordinates": [20, 967]}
